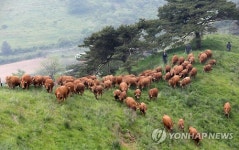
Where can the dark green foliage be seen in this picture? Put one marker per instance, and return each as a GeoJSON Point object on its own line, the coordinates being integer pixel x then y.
{"type": "Point", "coordinates": [179, 19]}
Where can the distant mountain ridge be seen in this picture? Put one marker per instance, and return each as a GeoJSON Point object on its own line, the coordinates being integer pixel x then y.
{"type": "Point", "coordinates": [33, 23]}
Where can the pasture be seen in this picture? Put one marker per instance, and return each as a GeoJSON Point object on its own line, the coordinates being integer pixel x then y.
{"type": "Point", "coordinates": [32, 119]}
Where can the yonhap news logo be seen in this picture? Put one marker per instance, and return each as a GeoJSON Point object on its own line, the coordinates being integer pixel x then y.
{"type": "Point", "coordinates": [159, 136]}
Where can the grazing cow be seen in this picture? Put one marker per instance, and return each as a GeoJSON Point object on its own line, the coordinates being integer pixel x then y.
{"type": "Point", "coordinates": [167, 76]}
{"type": "Point", "coordinates": [122, 96]}
{"type": "Point", "coordinates": [137, 94]}
{"type": "Point", "coordinates": [26, 81]}
{"type": "Point", "coordinates": [185, 81]}
{"type": "Point", "coordinates": [130, 80]}
{"type": "Point", "coordinates": [157, 76]}
{"type": "Point", "coordinates": [123, 87]}
{"type": "Point", "coordinates": [70, 86]}
{"type": "Point", "coordinates": [79, 88]}
{"type": "Point", "coordinates": [207, 68]}
{"type": "Point", "coordinates": [63, 79]}
{"type": "Point", "coordinates": [181, 60]}
{"type": "Point", "coordinates": [158, 69]}
{"type": "Point", "coordinates": [183, 73]}
{"type": "Point", "coordinates": [144, 82]}
{"type": "Point", "coordinates": [153, 93]}
{"type": "Point", "coordinates": [107, 84]}
{"type": "Point", "coordinates": [190, 55]}
{"type": "Point", "coordinates": [193, 72]}
{"type": "Point", "coordinates": [174, 81]}
{"type": "Point", "coordinates": [174, 59]}
{"type": "Point", "coordinates": [13, 81]}
{"type": "Point", "coordinates": [143, 108]}
{"type": "Point", "coordinates": [168, 123]}
{"type": "Point", "coordinates": [117, 80]}
{"type": "Point", "coordinates": [37, 81]}
{"type": "Point", "coordinates": [191, 60]}
{"type": "Point", "coordinates": [45, 78]}
{"type": "Point", "coordinates": [189, 67]}
{"type": "Point", "coordinates": [202, 57]}
{"type": "Point", "coordinates": [116, 94]}
{"type": "Point", "coordinates": [212, 62]}
{"type": "Point", "coordinates": [227, 109]}
{"type": "Point", "coordinates": [181, 124]}
{"type": "Point", "coordinates": [209, 53]}
{"type": "Point", "coordinates": [131, 103]}
{"type": "Point", "coordinates": [49, 84]}
{"type": "Point", "coordinates": [97, 90]}
{"type": "Point", "coordinates": [167, 68]}
{"type": "Point", "coordinates": [176, 70]}
{"type": "Point", "coordinates": [194, 134]}
{"type": "Point", "coordinates": [61, 93]}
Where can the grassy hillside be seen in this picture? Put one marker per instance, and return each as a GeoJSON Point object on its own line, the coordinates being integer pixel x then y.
{"type": "Point", "coordinates": [32, 119]}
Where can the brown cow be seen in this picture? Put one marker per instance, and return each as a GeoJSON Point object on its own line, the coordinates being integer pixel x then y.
{"type": "Point", "coordinates": [79, 88]}
{"type": "Point", "coordinates": [97, 90]}
{"type": "Point", "coordinates": [49, 84]}
{"type": "Point", "coordinates": [123, 87]}
{"type": "Point", "coordinates": [180, 60]}
{"type": "Point", "coordinates": [167, 76]}
{"type": "Point", "coordinates": [122, 96]}
{"type": "Point", "coordinates": [181, 124]}
{"type": "Point", "coordinates": [143, 108]}
{"type": "Point", "coordinates": [116, 94]}
{"type": "Point", "coordinates": [174, 59]}
{"type": "Point", "coordinates": [194, 134]}
{"type": "Point", "coordinates": [227, 109]}
{"type": "Point", "coordinates": [131, 103]}
{"type": "Point", "coordinates": [157, 76]}
{"type": "Point", "coordinates": [202, 57]}
{"type": "Point", "coordinates": [185, 81]}
{"type": "Point", "coordinates": [144, 82]}
{"type": "Point", "coordinates": [207, 68]}
{"type": "Point", "coordinates": [61, 93]}
{"type": "Point", "coordinates": [13, 81]}
{"type": "Point", "coordinates": [153, 93]}
{"type": "Point", "coordinates": [37, 81]}
{"type": "Point", "coordinates": [212, 62]}
{"type": "Point", "coordinates": [183, 73]}
{"type": "Point", "coordinates": [26, 81]}
{"type": "Point", "coordinates": [168, 123]}
{"type": "Point", "coordinates": [158, 69]}
{"type": "Point", "coordinates": [70, 86]}
{"type": "Point", "coordinates": [63, 79]}
{"type": "Point", "coordinates": [117, 80]}
{"type": "Point", "coordinates": [130, 80]}
{"type": "Point", "coordinates": [107, 84]}
{"type": "Point", "coordinates": [209, 53]}
{"type": "Point", "coordinates": [167, 68]}
{"type": "Point", "coordinates": [174, 81]}
{"type": "Point", "coordinates": [193, 72]}
{"type": "Point", "coordinates": [137, 94]}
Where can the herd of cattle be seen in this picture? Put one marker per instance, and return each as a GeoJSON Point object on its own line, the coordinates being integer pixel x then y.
{"type": "Point", "coordinates": [179, 72]}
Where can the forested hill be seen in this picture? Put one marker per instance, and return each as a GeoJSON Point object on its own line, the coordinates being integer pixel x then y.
{"type": "Point", "coordinates": [33, 23]}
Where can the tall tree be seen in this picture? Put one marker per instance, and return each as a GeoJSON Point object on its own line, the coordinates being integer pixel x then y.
{"type": "Point", "coordinates": [102, 48]}
{"type": "Point", "coordinates": [51, 66]}
{"type": "Point", "coordinates": [181, 19]}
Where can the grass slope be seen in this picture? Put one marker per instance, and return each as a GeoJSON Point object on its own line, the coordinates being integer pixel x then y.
{"type": "Point", "coordinates": [32, 119]}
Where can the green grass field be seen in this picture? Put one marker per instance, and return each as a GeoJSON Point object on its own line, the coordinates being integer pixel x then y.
{"type": "Point", "coordinates": [32, 119]}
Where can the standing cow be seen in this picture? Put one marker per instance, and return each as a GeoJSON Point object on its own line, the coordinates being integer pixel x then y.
{"type": "Point", "coordinates": [26, 81]}
{"type": "Point", "coordinates": [49, 84]}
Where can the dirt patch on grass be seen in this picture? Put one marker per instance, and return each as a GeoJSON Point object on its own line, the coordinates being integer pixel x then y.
{"type": "Point", "coordinates": [29, 66]}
